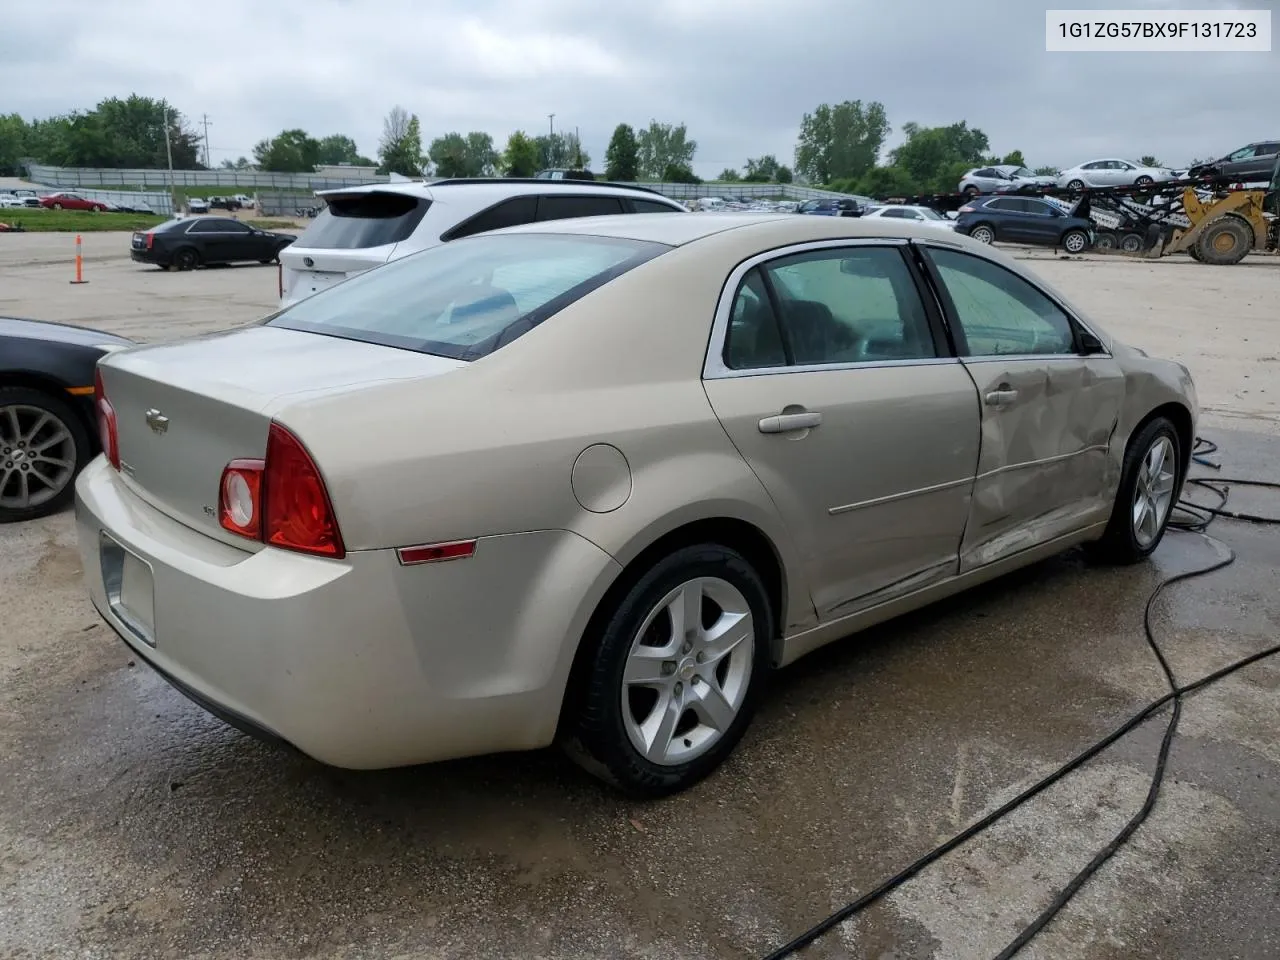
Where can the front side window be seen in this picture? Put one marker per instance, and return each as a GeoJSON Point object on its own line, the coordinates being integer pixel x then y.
{"type": "Point", "coordinates": [850, 305]}
{"type": "Point", "coordinates": [468, 298]}
{"type": "Point", "coordinates": [999, 312]}
{"type": "Point", "coordinates": [1242, 154]}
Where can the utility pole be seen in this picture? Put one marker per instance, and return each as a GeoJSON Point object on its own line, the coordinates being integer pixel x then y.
{"type": "Point", "coordinates": [168, 149]}
{"type": "Point", "coordinates": [551, 118]}
{"type": "Point", "coordinates": [206, 121]}
{"type": "Point", "coordinates": [577, 149]}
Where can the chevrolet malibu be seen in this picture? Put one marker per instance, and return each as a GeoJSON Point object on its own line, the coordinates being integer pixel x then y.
{"type": "Point", "coordinates": [592, 481]}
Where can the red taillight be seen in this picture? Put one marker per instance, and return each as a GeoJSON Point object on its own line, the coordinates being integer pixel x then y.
{"type": "Point", "coordinates": [281, 500]}
{"type": "Point", "coordinates": [151, 238]}
{"type": "Point", "coordinates": [107, 434]}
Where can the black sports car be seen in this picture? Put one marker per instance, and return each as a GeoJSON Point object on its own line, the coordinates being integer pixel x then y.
{"type": "Point", "coordinates": [48, 424]}
{"type": "Point", "coordinates": [188, 243]}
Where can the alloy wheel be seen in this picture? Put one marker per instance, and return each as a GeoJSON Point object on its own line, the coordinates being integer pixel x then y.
{"type": "Point", "coordinates": [37, 456]}
{"type": "Point", "coordinates": [688, 671]}
{"type": "Point", "coordinates": [1153, 493]}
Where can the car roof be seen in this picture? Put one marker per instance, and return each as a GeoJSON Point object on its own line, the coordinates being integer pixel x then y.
{"type": "Point", "coordinates": [678, 230]}
{"type": "Point", "coordinates": [485, 189]}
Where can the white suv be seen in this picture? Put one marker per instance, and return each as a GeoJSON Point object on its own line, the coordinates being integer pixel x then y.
{"type": "Point", "coordinates": [365, 227]}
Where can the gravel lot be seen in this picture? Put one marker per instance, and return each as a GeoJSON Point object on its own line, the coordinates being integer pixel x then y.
{"type": "Point", "coordinates": [133, 825]}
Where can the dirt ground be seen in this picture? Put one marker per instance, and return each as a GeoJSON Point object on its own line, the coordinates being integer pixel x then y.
{"type": "Point", "coordinates": [134, 825]}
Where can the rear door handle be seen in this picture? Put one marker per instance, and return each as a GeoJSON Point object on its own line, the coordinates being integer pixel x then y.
{"type": "Point", "coordinates": [790, 422]}
{"type": "Point", "coordinates": [1001, 398]}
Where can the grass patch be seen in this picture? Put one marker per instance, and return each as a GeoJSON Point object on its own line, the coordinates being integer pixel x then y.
{"type": "Point", "coordinates": [272, 224]}
{"type": "Point", "coordinates": [76, 221]}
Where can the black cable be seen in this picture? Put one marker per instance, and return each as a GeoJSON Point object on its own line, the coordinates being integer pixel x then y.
{"type": "Point", "coordinates": [1198, 518]}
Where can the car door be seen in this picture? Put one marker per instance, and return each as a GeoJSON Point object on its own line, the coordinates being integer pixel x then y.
{"type": "Point", "coordinates": [209, 240]}
{"type": "Point", "coordinates": [830, 372]}
{"type": "Point", "coordinates": [1050, 406]}
{"type": "Point", "coordinates": [1042, 223]}
{"type": "Point", "coordinates": [1260, 165]}
{"type": "Point", "coordinates": [242, 243]}
{"type": "Point", "coordinates": [1009, 221]}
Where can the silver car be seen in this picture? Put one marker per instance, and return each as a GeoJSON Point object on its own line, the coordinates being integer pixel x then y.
{"type": "Point", "coordinates": [592, 481]}
{"type": "Point", "coordinates": [1001, 178]}
{"type": "Point", "coordinates": [1113, 173]}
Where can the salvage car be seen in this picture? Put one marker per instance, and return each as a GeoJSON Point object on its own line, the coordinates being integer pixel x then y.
{"type": "Point", "coordinates": [592, 481]}
{"type": "Point", "coordinates": [1025, 220]}
{"type": "Point", "coordinates": [48, 428]}
{"type": "Point", "coordinates": [203, 241]}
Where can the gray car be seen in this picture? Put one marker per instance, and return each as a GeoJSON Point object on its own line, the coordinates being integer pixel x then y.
{"type": "Point", "coordinates": [1001, 178]}
{"type": "Point", "coordinates": [1113, 172]}
{"type": "Point", "coordinates": [1250, 164]}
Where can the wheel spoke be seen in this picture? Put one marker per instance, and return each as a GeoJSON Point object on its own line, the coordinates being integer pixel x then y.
{"type": "Point", "coordinates": [40, 424]}
{"type": "Point", "coordinates": [725, 635]}
{"type": "Point", "coordinates": [24, 489]}
{"type": "Point", "coordinates": [52, 482]}
{"type": "Point", "coordinates": [1155, 461]}
{"type": "Point", "coordinates": [660, 727]}
{"type": "Point", "coordinates": [644, 666]}
{"type": "Point", "coordinates": [13, 433]}
{"type": "Point", "coordinates": [1163, 485]}
{"type": "Point", "coordinates": [60, 437]}
{"type": "Point", "coordinates": [711, 706]}
{"type": "Point", "coordinates": [685, 611]}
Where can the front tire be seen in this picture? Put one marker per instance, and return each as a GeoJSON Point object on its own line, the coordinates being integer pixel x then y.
{"type": "Point", "coordinates": [1225, 241]}
{"type": "Point", "coordinates": [43, 446]}
{"type": "Point", "coordinates": [1148, 491]}
{"type": "Point", "coordinates": [678, 669]}
{"type": "Point", "coordinates": [1075, 241]}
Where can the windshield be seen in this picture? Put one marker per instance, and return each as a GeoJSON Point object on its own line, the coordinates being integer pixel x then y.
{"type": "Point", "coordinates": [467, 298]}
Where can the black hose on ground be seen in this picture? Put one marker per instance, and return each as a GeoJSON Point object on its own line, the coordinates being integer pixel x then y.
{"type": "Point", "coordinates": [1195, 518]}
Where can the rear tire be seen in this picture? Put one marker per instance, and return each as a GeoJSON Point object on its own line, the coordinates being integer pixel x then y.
{"type": "Point", "coordinates": [1143, 181]}
{"type": "Point", "coordinates": [661, 704]}
{"type": "Point", "coordinates": [186, 259]}
{"type": "Point", "coordinates": [1131, 243]}
{"type": "Point", "coordinates": [1075, 185]}
{"type": "Point", "coordinates": [42, 456]}
{"type": "Point", "coordinates": [983, 233]}
{"type": "Point", "coordinates": [1134, 530]}
{"type": "Point", "coordinates": [1105, 241]}
{"type": "Point", "coordinates": [1225, 241]}
{"type": "Point", "coordinates": [971, 191]}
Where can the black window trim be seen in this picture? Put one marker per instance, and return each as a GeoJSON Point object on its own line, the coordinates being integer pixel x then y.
{"type": "Point", "coordinates": [714, 366]}
{"type": "Point", "coordinates": [571, 196]}
{"type": "Point", "coordinates": [956, 329]}
{"type": "Point", "coordinates": [460, 231]}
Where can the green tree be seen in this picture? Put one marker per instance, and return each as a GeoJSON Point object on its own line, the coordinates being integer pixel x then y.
{"type": "Point", "coordinates": [1047, 171]}
{"type": "Point", "coordinates": [784, 174]}
{"type": "Point", "coordinates": [13, 143]}
{"type": "Point", "coordinates": [1149, 161]}
{"type": "Point", "coordinates": [729, 175]}
{"type": "Point", "coordinates": [664, 145]}
{"type": "Point", "coordinates": [679, 173]}
{"type": "Point", "coordinates": [553, 151]}
{"type": "Point", "coordinates": [400, 149]}
{"type": "Point", "coordinates": [289, 151]}
{"type": "Point", "coordinates": [840, 141]}
{"type": "Point", "coordinates": [1014, 158]}
{"type": "Point", "coordinates": [762, 170]}
{"type": "Point", "coordinates": [520, 159]}
{"type": "Point", "coordinates": [622, 157]}
{"type": "Point", "coordinates": [936, 157]}
{"type": "Point", "coordinates": [880, 182]}
{"type": "Point", "coordinates": [456, 155]}
{"type": "Point", "coordinates": [338, 148]}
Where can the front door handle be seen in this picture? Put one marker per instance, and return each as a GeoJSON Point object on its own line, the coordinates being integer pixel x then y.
{"type": "Point", "coordinates": [790, 422]}
{"type": "Point", "coordinates": [1002, 397]}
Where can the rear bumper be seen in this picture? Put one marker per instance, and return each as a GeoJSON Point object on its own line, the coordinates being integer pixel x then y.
{"type": "Point", "coordinates": [360, 663]}
{"type": "Point", "coordinates": [148, 256]}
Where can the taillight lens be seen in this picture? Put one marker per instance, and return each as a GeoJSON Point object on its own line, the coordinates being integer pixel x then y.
{"type": "Point", "coordinates": [240, 498]}
{"type": "Point", "coordinates": [107, 434]}
{"type": "Point", "coordinates": [966, 209]}
{"type": "Point", "coordinates": [151, 238]}
{"type": "Point", "coordinates": [281, 500]}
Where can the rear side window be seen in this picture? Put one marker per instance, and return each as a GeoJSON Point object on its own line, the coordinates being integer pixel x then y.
{"type": "Point", "coordinates": [509, 213]}
{"type": "Point", "coordinates": [650, 206]}
{"type": "Point", "coordinates": [564, 208]}
{"type": "Point", "coordinates": [362, 220]}
{"type": "Point", "coordinates": [467, 299]}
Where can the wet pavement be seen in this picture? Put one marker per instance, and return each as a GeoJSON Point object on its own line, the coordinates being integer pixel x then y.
{"type": "Point", "coordinates": [133, 825]}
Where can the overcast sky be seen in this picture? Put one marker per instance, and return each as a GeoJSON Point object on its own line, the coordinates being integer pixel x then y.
{"type": "Point", "coordinates": [739, 73]}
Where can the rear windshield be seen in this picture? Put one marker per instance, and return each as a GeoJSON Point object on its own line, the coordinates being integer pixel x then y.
{"type": "Point", "coordinates": [362, 220]}
{"type": "Point", "coordinates": [467, 298]}
{"type": "Point", "coordinates": [170, 225]}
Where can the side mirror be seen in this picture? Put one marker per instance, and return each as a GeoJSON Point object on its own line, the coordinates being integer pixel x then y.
{"type": "Point", "coordinates": [1090, 345]}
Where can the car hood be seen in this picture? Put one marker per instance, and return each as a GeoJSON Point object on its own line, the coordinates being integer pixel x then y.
{"type": "Point", "coordinates": [51, 332]}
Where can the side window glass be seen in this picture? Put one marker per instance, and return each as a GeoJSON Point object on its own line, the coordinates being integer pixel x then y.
{"type": "Point", "coordinates": [1267, 150]}
{"type": "Point", "coordinates": [849, 305]}
{"type": "Point", "coordinates": [509, 213]}
{"type": "Point", "coordinates": [999, 312]}
{"type": "Point", "coordinates": [564, 208]}
{"type": "Point", "coordinates": [753, 341]}
{"type": "Point", "coordinates": [650, 206]}
{"type": "Point", "coordinates": [203, 226]}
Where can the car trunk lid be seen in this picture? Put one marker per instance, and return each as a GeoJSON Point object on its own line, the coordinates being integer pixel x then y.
{"type": "Point", "coordinates": [185, 410]}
